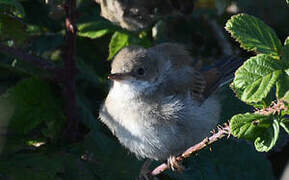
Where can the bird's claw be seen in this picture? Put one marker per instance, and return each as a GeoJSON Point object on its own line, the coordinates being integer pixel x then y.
{"type": "Point", "coordinates": [173, 164]}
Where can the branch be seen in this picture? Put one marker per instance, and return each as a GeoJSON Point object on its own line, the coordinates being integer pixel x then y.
{"type": "Point", "coordinates": [222, 131]}
{"type": "Point", "coordinates": [69, 71]}
{"type": "Point", "coordinates": [28, 58]}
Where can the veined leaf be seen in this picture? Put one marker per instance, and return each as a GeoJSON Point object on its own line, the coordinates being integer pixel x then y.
{"type": "Point", "coordinates": [282, 85]}
{"type": "Point", "coordinates": [92, 30]}
{"type": "Point", "coordinates": [256, 77]}
{"type": "Point", "coordinates": [263, 130]}
{"type": "Point", "coordinates": [12, 6]}
{"type": "Point", "coordinates": [268, 139]}
{"type": "Point", "coordinates": [254, 35]}
{"type": "Point", "coordinates": [285, 53]}
{"type": "Point", "coordinates": [285, 124]}
{"type": "Point", "coordinates": [249, 126]}
{"type": "Point", "coordinates": [118, 41]}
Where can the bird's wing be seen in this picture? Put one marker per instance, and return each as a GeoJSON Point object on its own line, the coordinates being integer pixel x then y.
{"type": "Point", "coordinates": [220, 73]}
{"type": "Point", "coordinates": [201, 81]}
{"type": "Point", "coordinates": [185, 77]}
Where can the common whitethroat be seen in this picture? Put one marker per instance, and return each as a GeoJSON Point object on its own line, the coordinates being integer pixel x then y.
{"type": "Point", "coordinates": [160, 103]}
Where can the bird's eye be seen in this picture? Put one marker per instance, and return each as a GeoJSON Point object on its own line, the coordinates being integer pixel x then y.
{"type": "Point", "coordinates": [140, 71]}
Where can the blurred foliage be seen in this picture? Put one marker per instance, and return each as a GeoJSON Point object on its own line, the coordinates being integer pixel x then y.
{"type": "Point", "coordinates": [32, 109]}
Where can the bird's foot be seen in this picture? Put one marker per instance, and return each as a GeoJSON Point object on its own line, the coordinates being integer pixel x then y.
{"type": "Point", "coordinates": [145, 173]}
{"type": "Point", "coordinates": [174, 165]}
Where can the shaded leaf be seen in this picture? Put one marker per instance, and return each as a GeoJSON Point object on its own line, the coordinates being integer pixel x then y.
{"type": "Point", "coordinates": [38, 15]}
{"type": "Point", "coordinates": [12, 6]}
{"type": "Point", "coordinates": [268, 138]}
{"type": "Point", "coordinates": [282, 85]}
{"type": "Point", "coordinates": [256, 77]}
{"type": "Point", "coordinates": [254, 35]}
{"type": "Point", "coordinates": [12, 28]}
{"type": "Point", "coordinates": [286, 41]}
{"type": "Point", "coordinates": [285, 124]}
{"type": "Point", "coordinates": [285, 53]}
{"type": "Point", "coordinates": [33, 103]}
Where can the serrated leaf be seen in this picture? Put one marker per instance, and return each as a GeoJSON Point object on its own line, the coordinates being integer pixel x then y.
{"type": "Point", "coordinates": [285, 124]}
{"type": "Point", "coordinates": [254, 35]}
{"type": "Point", "coordinates": [12, 6]}
{"type": "Point", "coordinates": [282, 85]}
{"type": "Point", "coordinates": [261, 129]}
{"type": "Point", "coordinates": [92, 30]}
{"type": "Point", "coordinates": [33, 103]}
{"type": "Point", "coordinates": [268, 138]}
{"type": "Point", "coordinates": [118, 41]}
{"type": "Point", "coordinates": [249, 126]}
{"type": "Point", "coordinates": [256, 77]}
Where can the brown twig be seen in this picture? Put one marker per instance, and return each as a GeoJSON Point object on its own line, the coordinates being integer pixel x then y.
{"type": "Point", "coordinates": [69, 71]}
{"type": "Point", "coordinates": [222, 131]}
{"type": "Point", "coordinates": [274, 108]}
{"type": "Point", "coordinates": [28, 58]}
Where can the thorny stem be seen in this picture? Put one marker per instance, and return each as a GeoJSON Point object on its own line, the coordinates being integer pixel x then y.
{"type": "Point", "coordinates": [70, 71]}
{"type": "Point", "coordinates": [28, 58]}
{"type": "Point", "coordinates": [222, 132]}
{"type": "Point", "coordinates": [64, 75]}
{"type": "Point", "coordinates": [274, 108]}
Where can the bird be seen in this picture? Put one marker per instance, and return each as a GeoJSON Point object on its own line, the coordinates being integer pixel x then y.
{"type": "Point", "coordinates": [160, 101]}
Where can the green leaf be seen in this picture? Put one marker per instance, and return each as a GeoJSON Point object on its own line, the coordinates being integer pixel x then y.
{"type": "Point", "coordinates": [286, 97]}
{"type": "Point", "coordinates": [285, 124]}
{"type": "Point", "coordinates": [12, 6]}
{"type": "Point", "coordinates": [33, 103]}
{"type": "Point", "coordinates": [254, 35]}
{"type": "Point", "coordinates": [256, 77]}
{"type": "Point", "coordinates": [249, 126]}
{"type": "Point", "coordinates": [285, 53]}
{"type": "Point", "coordinates": [268, 138]}
{"type": "Point", "coordinates": [118, 41]}
{"type": "Point", "coordinates": [92, 30]}
{"type": "Point", "coordinates": [263, 130]}
{"type": "Point", "coordinates": [286, 41]}
{"type": "Point", "coordinates": [282, 85]}
{"type": "Point", "coordinates": [12, 28]}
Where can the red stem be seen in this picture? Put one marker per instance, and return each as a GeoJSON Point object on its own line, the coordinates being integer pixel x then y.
{"type": "Point", "coordinates": [69, 71]}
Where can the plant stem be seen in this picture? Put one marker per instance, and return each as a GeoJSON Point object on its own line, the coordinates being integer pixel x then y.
{"type": "Point", "coordinates": [222, 131]}
{"type": "Point", "coordinates": [69, 71]}
{"type": "Point", "coordinates": [28, 58]}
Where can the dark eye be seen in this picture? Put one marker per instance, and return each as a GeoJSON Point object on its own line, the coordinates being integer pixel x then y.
{"type": "Point", "coordinates": [140, 71]}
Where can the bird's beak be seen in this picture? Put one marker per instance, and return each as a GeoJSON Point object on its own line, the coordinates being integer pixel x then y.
{"type": "Point", "coordinates": [118, 76]}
